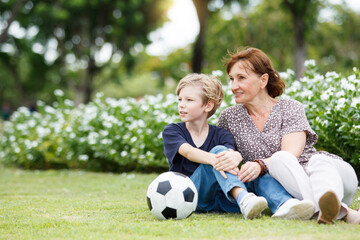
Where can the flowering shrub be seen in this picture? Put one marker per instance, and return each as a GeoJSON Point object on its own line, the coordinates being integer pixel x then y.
{"type": "Point", "coordinates": [106, 134]}
{"type": "Point", "coordinates": [332, 105]}
{"type": "Point", "coordinates": [124, 134]}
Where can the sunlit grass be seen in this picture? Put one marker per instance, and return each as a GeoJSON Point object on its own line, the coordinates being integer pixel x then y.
{"type": "Point", "coordinates": [84, 205]}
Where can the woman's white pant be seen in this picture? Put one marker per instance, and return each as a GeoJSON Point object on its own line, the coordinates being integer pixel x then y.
{"type": "Point", "coordinates": [322, 174]}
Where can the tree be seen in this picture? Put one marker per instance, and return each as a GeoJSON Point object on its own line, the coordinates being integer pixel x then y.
{"type": "Point", "coordinates": [304, 14]}
{"type": "Point", "coordinates": [79, 31]}
{"type": "Point", "coordinates": [13, 13]}
{"type": "Point", "coordinates": [266, 27]}
{"type": "Point", "coordinates": [340, 54]}
{"type": "Point", "coordinates": [202, 11]}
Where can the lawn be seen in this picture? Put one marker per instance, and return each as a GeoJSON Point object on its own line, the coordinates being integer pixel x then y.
{"type": "Point", "coordinates": [84, 205]}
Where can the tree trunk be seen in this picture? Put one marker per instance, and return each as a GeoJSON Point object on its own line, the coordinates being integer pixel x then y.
{"type": "Point", "coordinates": [198, 52]}
{"type": "Point", "coordinates": [19, 86]}
{"type": "Point", "coordinates": [85, 88]}
{"type": "Point", "coordinates": [300, 48]}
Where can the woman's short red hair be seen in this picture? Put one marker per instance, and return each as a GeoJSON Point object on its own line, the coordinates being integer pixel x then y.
{"type": "Point", "coordinates": [260, 63]}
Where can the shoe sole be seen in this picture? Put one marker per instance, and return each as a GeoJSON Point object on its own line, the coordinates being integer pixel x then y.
{"type": "Point", "coordinates": [256, 210]}
{"type": "Point", "coordinates": [304, 211]}
{"type": "Point", "coordinates": [329, 207]}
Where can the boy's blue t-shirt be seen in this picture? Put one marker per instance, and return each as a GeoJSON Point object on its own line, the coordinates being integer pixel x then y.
{"type": "Point", "coordinates": [176, 134]}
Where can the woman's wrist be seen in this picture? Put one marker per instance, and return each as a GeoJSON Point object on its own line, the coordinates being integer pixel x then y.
{"type": "Point", "coordinates": [262, 165]}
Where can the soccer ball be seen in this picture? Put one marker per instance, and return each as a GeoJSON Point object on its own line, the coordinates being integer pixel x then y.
{"type": "Point", "coordinates": [172, 195]}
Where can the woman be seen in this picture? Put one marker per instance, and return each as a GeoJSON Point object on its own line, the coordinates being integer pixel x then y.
{"type": "Point", "coordinates": [273, 135]}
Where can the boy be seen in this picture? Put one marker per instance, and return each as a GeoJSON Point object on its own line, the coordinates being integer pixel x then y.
{"type": "Point", "coordinates": [193, 147]}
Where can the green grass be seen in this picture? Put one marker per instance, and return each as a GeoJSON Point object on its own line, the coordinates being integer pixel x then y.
{"type": "Point", "coordinates": [83, 205]}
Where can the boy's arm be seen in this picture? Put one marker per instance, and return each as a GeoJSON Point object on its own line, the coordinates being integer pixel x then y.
{"type": "Point", "coordinates": [199, 156]}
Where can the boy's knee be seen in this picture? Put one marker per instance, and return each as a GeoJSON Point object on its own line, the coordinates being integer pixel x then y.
{"type": "Point", "coordinates": [205, 168]}
{"type": "Point", "coordinates": [219, 148]}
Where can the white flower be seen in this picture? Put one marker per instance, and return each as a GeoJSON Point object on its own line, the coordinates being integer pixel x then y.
{"type": "Point", "coordinates": [32, 123]}
{"type": "Point", "coordinates": [59, 92]}
{"type": "Point", "coordinates": [355, 101]}
{"type": "Point", "coordinates": [107, 124]}
{"type": "Point", "coordinates": [217, 73]}
{"type": "Point", "coordinates": [83, 157]}
{"type": "Point", "coordinates": [325, 95]}
{"type": "Point", "coordinates": [340, 94]}
{"type": "Point", "coordinates": [306, 93]}
{"type": "Point", "coordinates": [40, 103]}
{"type": "Point", "coordinates": [42, 132]}
{"type": "Point", "coordinates": [50, 110]}
{"type": "Point", "coordinates": [331, 75]}
{"type": "Point", "coordinates": [106, 141]}
{"type": "Point", "coordinates": [29, 156]}
{"type": "Point", "coordinates": [104, 133]}
{"type": "Point", "coordinates": [309, 63]}
{"type": "Point", "coordinates": [99, 95]}
{"type": "Point", "coordinates": [69, 102]}
{"type": "Point", "coordinates": [345, 84]}
{"type": "Point", "coordinates": [124, 153]}
{"type": "Point", "coordinates": [340, 103]}
{"type": "Point", "coordinates": [92, 138]}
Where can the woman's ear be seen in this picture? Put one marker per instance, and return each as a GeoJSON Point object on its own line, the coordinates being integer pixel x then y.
{"type": "Point", "coordinates": [264, 80]}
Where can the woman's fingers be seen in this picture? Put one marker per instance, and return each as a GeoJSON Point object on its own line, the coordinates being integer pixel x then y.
{"type": "Point", "coordinates": [248, 172]}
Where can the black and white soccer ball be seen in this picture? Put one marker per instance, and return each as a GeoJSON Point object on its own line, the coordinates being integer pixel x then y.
{"type": "Point", "coordinates": [172, 195]}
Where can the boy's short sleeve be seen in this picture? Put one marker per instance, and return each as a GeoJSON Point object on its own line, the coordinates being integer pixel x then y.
{"type": "Point", "coordinates": [173, 138]}
{"type": "Point", "coordinates": [225, 138]}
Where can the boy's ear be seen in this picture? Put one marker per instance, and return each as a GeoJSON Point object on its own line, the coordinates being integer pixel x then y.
{"type": "Point", "coordinates": [209, 106]}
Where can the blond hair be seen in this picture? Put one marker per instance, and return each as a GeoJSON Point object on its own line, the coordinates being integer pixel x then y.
{"type": "Point", "coordinates": [211, 88]}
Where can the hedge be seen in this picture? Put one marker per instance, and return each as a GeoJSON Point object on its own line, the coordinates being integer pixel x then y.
{"type": "Point", "coordinates": [119, 135]}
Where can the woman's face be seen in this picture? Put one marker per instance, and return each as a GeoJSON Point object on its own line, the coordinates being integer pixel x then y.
{"type": "Point", "coordinates": [245, 83]}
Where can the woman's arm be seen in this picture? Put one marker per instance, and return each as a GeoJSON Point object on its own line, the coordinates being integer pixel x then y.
{"type": "Point", "coordinates": [294, 143]}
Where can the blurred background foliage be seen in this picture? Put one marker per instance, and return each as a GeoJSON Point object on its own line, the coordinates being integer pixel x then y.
{"type": "Point", "coordinates": [60, 44]}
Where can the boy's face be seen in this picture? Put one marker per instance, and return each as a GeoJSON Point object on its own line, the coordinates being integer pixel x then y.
{"type": "Point", "coordinates": [190, 104]}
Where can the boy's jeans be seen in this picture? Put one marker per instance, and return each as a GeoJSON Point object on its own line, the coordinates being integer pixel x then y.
{"type": "Point", "coordinates": [214, 189]}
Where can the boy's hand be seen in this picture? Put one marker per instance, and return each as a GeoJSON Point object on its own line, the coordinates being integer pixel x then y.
{"type": "Point", "coordinates": [234, 171]}
{"type": "Point", "coordinates": [227, 161]}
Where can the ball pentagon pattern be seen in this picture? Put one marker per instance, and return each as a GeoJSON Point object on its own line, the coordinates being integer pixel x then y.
{"type": "Point", "coordinates": [172, 195]}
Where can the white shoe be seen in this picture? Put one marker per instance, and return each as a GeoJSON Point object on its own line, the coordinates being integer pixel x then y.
{"type": "Point", "coordinates": [295, 209]}
{"type": "Point", "coordinates": [251, 206]}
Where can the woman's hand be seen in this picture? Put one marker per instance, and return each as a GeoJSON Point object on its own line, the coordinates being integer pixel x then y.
{"type": "Point", "coordinates": [228, 160]}
{"type": "Point", "coordinates": [249, 171]}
